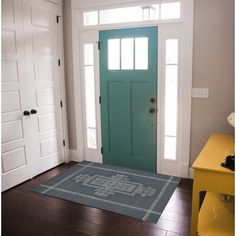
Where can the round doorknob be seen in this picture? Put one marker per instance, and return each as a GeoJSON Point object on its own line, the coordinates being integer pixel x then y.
{"type": "Point", "coordinates": [33, 111]}
{"type": "Point", "coordinates": [152, 110]}
{"type": "Point", "coordinates": [152, 100]}
{"type": "Point", "coordinates": [26, 113]}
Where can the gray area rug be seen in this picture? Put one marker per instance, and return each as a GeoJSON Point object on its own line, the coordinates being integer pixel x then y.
{"type": "Point", "coordinates": [138, 194]}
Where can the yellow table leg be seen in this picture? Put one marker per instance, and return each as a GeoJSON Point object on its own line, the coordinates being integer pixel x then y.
{"type": "Point", "coordinates": [195, 209]}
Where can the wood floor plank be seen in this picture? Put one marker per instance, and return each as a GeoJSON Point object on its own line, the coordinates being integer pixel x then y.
{"type": "Point", "coordinates": [169, 233]}
{"type": "Point", "coordinates": [27, 213]}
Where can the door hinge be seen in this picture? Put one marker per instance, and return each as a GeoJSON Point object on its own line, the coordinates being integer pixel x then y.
{"type": "Point", "coordinates": [61, 104]}
{"type": "Point", "coordinates": [98, 45]}
{"type": "Point", "coordinates": [100, 99]}
{"type": "Point", "coordinates": [64, 142]}
{"type": "Point", "coordinates": [58, 18]}
{"type": "Point", "coordinates": [59, 62]}
{"type": "Point", "coordinates": [101, 150]}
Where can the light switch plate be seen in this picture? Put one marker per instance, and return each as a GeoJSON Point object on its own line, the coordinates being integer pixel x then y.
{"type": "Point", "coordinates": [200, 92]}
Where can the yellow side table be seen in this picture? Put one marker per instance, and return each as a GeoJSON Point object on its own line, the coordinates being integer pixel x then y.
{"type": "Point", "coordinates": [209, 175]}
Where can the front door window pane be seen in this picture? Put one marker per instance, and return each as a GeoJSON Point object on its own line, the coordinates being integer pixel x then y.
{"type": "Point", "coordinates": [113, 54]}
{"type": "Point", "coordinates": [127, 53]}
{"type": "Point", "coordinates": [141, 53]}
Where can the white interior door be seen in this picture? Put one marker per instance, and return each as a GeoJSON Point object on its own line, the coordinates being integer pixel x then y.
{"type": "Point", "coordinates": [30, 81]}
{"type": "Point", "coordinates": [17, 154]}
{"type": "Point", "coordinates": [40, 22]}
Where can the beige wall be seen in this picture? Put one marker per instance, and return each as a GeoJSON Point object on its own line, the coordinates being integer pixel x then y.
{"type": "Point", "coordinates": [69, 74]}
{"type": "Point", "coordinates": [213, 68]}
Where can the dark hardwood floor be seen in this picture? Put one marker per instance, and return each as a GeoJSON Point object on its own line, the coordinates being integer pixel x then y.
{"type": "Point", "coordinates": [25, 213]}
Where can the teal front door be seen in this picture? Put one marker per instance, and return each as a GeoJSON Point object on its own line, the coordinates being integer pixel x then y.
{"type": "Point", "coordinates": [128, 83]}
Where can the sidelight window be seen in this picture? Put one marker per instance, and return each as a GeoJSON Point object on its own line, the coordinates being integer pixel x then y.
{"type": "Point", "coordinates": [171, 98]}
{"type": "Point", "coordinates": [90, 96]}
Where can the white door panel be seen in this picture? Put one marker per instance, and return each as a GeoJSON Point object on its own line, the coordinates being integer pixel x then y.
{"type": "Point", "coordinates": [13, 159]}
{"type": "Point", "coordinates": [43, 76]}
{"type": "Point", "coordinates": [17, 155]}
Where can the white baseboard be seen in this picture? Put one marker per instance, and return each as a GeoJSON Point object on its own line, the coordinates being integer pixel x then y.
{"type": "Point", "coordinates": [94, 159]}
{"type": "Point", "coordinates": [190, 173]}
{"type": "Point", "coordinates": [183, 169]}
{"type": "Point", "coordinates": [75, 155]}
{"type": "Point", "coordinates": [67, 155]}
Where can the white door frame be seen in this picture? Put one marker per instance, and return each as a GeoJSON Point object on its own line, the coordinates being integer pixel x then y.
{"type": "Point", "coordinates": [185, 29]}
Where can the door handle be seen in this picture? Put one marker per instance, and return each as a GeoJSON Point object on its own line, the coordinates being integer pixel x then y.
{"type": "Point", "coordinates": [26, 113]}
{"type": "Point", "coordinates": [152, 110]}
{"type": "Point", "coordinates": [33, 111]}
{"type": "Point", "coordinates": [152, 100]}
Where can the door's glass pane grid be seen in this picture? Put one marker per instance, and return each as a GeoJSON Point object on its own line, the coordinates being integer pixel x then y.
{"type": "Point", "coordinates": [170, 10]}
{"type": "Point", "coordinates": [141, 53]}
{"type": "Point", "coordinates": [113, 54]}
{"type": "Point", "coordinates": [127, 53]}
{"type": "Point", "coordinates": [90, 18]}
{"type": "Point", "coordinates": [133, 51]}
{"type": "Point", "coordinates": [171, 98]}
{"type": "Point", "coordinates": [89, 85]}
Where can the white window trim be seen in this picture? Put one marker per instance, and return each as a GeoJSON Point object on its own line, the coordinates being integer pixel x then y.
{"type": "Point", "coordinates": [179, 167]}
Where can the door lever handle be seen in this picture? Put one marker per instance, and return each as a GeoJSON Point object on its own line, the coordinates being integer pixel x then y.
{"type": "Point", "coordinates": [33, 111]}
{"type": "Point", "coordinates": [26, 113]}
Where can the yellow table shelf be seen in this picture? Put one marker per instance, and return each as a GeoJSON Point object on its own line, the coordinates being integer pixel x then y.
{"type": "Point", "coordinates": [209, 175]}
{"type": "Point", "coordinates": [216, 218]}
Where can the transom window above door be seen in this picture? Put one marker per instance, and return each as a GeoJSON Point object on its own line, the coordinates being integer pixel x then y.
{"type": "Point", "coordinates": [162, 11]}
{"type": "Point", "coordinates": [128, 53]}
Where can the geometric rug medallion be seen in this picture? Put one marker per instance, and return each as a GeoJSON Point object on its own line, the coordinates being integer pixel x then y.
{"type": "Point", "coordinates": [134, 193]}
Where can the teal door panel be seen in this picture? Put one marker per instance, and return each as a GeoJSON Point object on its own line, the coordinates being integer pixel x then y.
{"type": "Point", "coordinates": [128, 125]}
